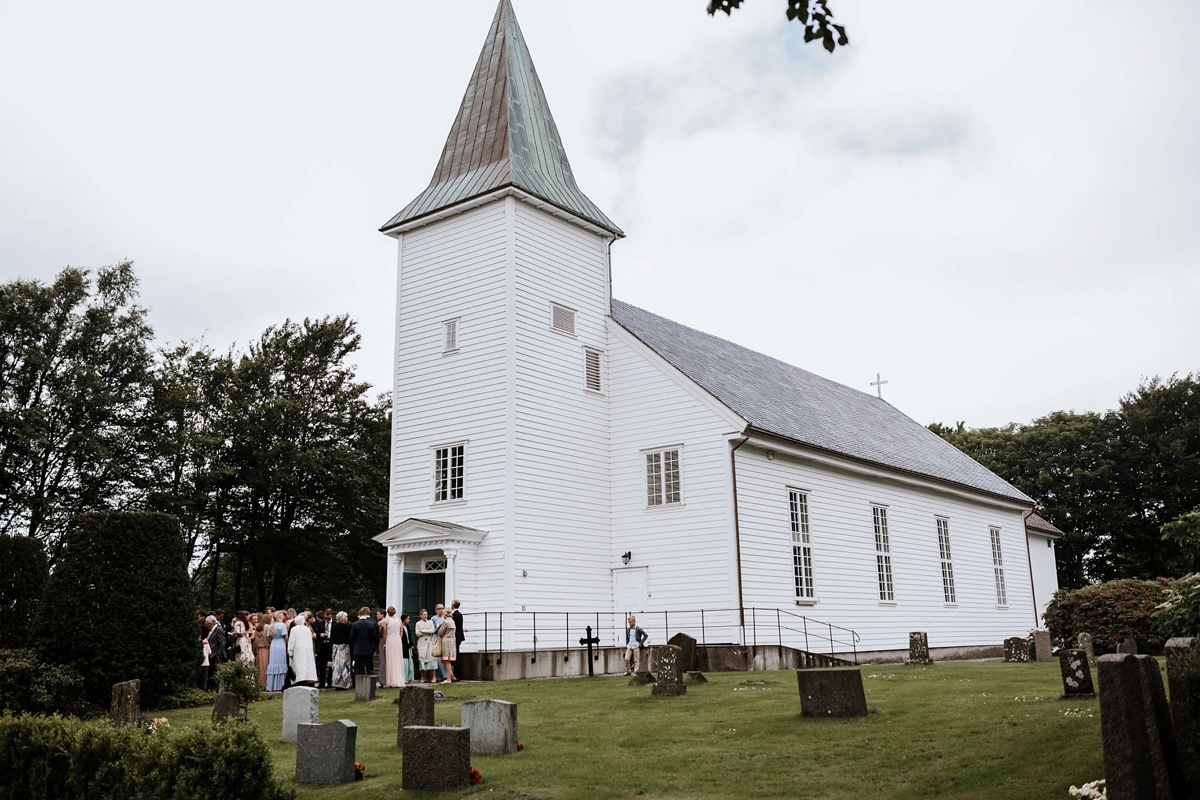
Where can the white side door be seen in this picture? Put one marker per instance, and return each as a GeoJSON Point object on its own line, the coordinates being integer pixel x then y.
{"type": "Point", "coordinates": [630, 590]}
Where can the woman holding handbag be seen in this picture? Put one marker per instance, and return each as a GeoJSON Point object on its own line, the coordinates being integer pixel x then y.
{"type": "Point", "coordinates": [425, 643]}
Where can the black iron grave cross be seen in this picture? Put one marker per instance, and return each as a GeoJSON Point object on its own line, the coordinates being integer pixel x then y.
{"type": "Point", "coordinates": [590, 640]}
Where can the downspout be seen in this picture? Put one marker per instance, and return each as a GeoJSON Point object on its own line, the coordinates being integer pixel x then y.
{"type": "Point", "coordinates": [737, 534]}
{"type": "Point", "coordinates": [1029, 560]}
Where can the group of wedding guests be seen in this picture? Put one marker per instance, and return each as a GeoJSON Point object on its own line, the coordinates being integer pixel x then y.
{"type": "Point", "coordinates": [326, 650]}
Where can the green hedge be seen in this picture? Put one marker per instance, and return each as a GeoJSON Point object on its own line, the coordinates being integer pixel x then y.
{"type": "Point", "coordinates": [1110, 612]}
{"type": "Point", "coordinates": [23, 571]}
{"type": "Point", "coordinates": [29, 684]}
{"type": "Point", "coordinates": [57, 757]}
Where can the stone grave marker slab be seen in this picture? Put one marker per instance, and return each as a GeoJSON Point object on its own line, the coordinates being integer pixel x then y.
{"type": "Point", "coordinates": [669, 681]}
{"type": "Point", "coordinates": [831, 692]}
{"type": "Point", "coordinates": [687, 645]}
{"type": "Point", "coordinates": [1076, 674]}
{"type": "Point", "coordinates": [325, 753]}
{"type": "Point", "coordinates": [226, 707]}
{"type": "Point", "coordinates": [1140, 755]}
{"type": "Point", "coordinates": [299, 706]}
{"type": "Point", "coordinates": [416, 709]}
{"type": "Point", "coordinates": [696, 677]}
{"type": "Point", "coordinates": [126, 706]}
{"type": "Point", "coordinates": [435, 757]}
{"type": "Point", "coordinates": [1127, 646]}
{"type": "Point", "coordinates": [1183, 678]}
{"type": "Point", "coordinates": [365, 687]}
{"type": "Point", "coordinates": [641, 679]}
{"type": "Point", "coordinates": [1041, 646]}
{"type": "Point", "coordinates": [1084, 641]}
{"type": "Point", "coordinates": [493, 725]}
{"type": "Point", "coordinates": [1016, 648]}
{"type": "Point", "coordinates": [918, 648]}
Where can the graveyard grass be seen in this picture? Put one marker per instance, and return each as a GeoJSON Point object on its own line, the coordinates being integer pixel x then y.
{"type": "Point", "coordinates": [974, 729]}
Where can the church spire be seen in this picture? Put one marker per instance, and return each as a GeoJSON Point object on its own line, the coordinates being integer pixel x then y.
{"type": "Point", "coordinates": [504, 136]}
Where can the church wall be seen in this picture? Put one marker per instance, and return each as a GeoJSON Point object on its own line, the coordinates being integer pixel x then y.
{"type": "Point", "coordinates": [563, 543]}
{"type": "Point", "coordinates": [454, 268]}
{"type": "Point", "coordinates": [1045, 571]}
{"type": "Point", "coordinates": [844, 563]}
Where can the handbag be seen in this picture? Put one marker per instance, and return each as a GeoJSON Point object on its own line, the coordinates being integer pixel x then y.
{"type": "Point", "coordinates": [436, 652]}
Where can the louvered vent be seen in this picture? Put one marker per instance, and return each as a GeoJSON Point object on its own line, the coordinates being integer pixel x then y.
{"type": "Point", "coordinates": [562, 319]}
{"type": "Point", "coordinates": [592, 369]}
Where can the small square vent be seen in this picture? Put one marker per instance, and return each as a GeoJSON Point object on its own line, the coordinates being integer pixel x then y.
{"type": "Point", "coordinates": [562, 319]}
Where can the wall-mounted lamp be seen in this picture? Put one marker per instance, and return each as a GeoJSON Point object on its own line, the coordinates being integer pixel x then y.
{"type": "Point", "coordinates": [627, 557]}
{"type": "Point", "coordinates": [770, 455]}
{"type": "Point", "coordinates": [524, 573]}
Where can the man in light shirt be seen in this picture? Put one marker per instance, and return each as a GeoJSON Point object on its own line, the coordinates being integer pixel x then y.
{"type": "Point", "coordinates": [635, 640]}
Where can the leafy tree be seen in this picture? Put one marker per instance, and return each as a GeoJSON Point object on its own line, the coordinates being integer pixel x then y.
{"type": "Point", "coordinates": [23, 572]}
{"type": "Point", "coordinates": [1184, 531]}
{"type": "Point", "coordinates": [815, 15]}
{"type": "Point", "coordinates": [118, 604]}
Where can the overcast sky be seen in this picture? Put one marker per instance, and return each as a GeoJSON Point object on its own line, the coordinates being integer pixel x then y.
{"type": "Point", "coordinates": [995, 206]}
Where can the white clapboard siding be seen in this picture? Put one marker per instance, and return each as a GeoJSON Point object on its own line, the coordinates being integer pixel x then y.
{"type": "Point", "coordinates": [1044, 568]}
{"type": "Point", "coordinates": [843, 544]}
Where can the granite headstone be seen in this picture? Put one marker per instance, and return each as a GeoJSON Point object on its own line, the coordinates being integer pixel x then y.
{"type": "Point", "coordinates": [226, 707]}
{"type": "Point", "coordinates": [1041, 646]}
{"type": "Point", "coordinates": [687, 645]}
{"type": "Point", "coordinates": [126, 706]}
{"type": "Point", "coordinates": [1183, 679]}
{"type": "Point", "coordinates": [300, 705]}
{"type": "Point", "coordinates": [696, 677]}
{"type": "Point", "coordinates": [831, 692]}
{"type": "Point", "coordinates": [1076, 674]}
{"type": "Point", "coordinates": [1127, 646]}
{"type": "Point", "coordinates": [365, 687]}
{"type": "Point", "coordinates": [669, 680]}
{"type": "Point", "coordinates": [1084, 641]}
{"type": "Point", "coordinates": [325, 753]}
{"type": "Point", "coordinates": [493, 725]}
{"type": "Point", "coordinates": [1141, 759]}
{"type": "Point", "coordinates": [435, 757]}
{"type": "Point", "coordinates": [918, 648]}
{"type": "Point", "coordinates": [1016, 648]}
{"type": "Point", "coordinates": [641, 679]}
{"type": "Point", "coordinates": [416, 709]}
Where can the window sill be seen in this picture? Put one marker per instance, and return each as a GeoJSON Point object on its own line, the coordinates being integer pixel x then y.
{"type": "Point", "coordinates": [1002, 608]}
{"type": "Point", "coordinates": [950, 605]}
{"type": "Point", "coordinates": [888, 603]}
{"type": "Point", "coordinates": [662, 508]}
{"type": "Point", "coordinates": [807, 602]}
{"type": "Point", "coordinates": [445, 503]}
{"type": "Point", "coordinates": [453, 352]}
{"type": "Point", "coordinates": [564, 333]}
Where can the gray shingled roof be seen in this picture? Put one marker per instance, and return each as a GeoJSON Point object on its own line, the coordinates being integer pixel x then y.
{"type": "Point", "coordinates": [504, 135]}
{"type": "Point", "coordinates": [1035, 522]}
{"type": "Point", "coordinates": [779, 399]}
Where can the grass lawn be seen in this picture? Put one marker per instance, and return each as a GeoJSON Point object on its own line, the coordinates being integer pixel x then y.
{"type": "Point", "coordinates": [980, 729]}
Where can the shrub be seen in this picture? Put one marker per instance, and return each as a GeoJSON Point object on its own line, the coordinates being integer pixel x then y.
{"type": "Point", "coordinates": [1179, 614]}
{"type": "Point", "coordinates": [118, 605]}
{"type": "Point", "coordinates": [22, 578]}
{"type": "Point", "coordinates": [56, 757]}
{"type": "Point", "coordinates": [29, 684]}
{"type": "Point", "coordinates": [184, 698]}
{"type": "Point", "coordinates": [1110, 612]}
{"type": "Point", "coordinates": [238, 677]}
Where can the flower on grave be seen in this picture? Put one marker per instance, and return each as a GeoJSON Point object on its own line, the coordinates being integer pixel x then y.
{"type": "Point", "coordinates": [1090, 791]}
{"type": "Point", "coordinates": [158, 723]}
{"type": "Point", "coordinates": [475, 776]}
{"type": "Point", "coordinates": [360, 771]}
{"type": "Point", "coordinates": [438, 695]}
{"type": "Point", "coordinates": [520, 746]}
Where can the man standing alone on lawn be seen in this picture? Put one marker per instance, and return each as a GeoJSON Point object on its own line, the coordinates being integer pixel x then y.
{"type": "Point", "coordinates": [635, 639]}
{"type": "Point", "coordinates": [364, 638]}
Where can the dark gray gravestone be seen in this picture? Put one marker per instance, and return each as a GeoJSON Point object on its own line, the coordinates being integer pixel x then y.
{"type": "Point", "coordinates": [126, 706]}
{"type": "Point", "coordinates": [1183, 677]}
{"type": "Point", "coordinates": [325, 753]}
{"type": "Point", "coordinates": [687, 644]}
{"type": "Point", "coordinates": [365, 686]}
{"type": "Point", "coordinates": [669, 681]}
{"type": "Point", "coordinates": [832, 692]}
{"type": "Point", "coordinates": [1127, 647]}
{"type": "Point", "coordinates": [300, 704]}
{"type": "Point", "coordinates": [416, 709]}
{"type": "Point", "coordinates": [1076, 674]}
{"type": "Point", "coordinates": [1084, 641]}
{"type": "Point", "coordinates": [1140, 755]}
{"type": "Point", "coordinates": [641, 679]}
{"type": "Point", "coordinates": [226, 707]}
{"type": "Point", "coordinates": [435, 757]}
{"type": "Point", "coordinates": [1016, 648]}
{"type": "Point", "coordinates": [493, 725]}
{"type": "Point", "coordinates": [918, 648]}
{"type": "Point", "coordinates": [696, 677]}
{"type": "Point", "coordinates": [1041, 646]}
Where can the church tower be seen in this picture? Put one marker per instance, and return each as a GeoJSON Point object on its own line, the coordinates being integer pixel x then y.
{"type": "Point", "coordinates": [500, 461]}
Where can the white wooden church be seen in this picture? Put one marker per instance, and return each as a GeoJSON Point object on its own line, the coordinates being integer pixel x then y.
{"type": "Point", "coordinates": [557, 450]}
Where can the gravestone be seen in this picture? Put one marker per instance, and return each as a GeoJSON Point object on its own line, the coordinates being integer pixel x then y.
{"type": "Point", "coordinates": [831, 692]}
{"type": "Point", "coordinates": [641, 679]}
{"type": "Point", "coordinates": [918, 648]}
{"type": "Point", "coordinates": [1084, 641]}
{"type": "Point", "coordinates": [365, 687]}
{"type": "Point", "coordinates": [697, 677]}
{"type": "Point", "coordinates": [1041, 646]}
{"type": "Point", "coordinates": [126, 706]}
{"type": "Point", "coordinates": [226, 707]}
{"type": "Point", "coordinates": [687, 644]}
{"type": "Point", "coordinates": [1183, 678]}
{"type": "Point", "coordinates": [435, 757]}
{"type": "Point", "coordinates": [669, 681]}
{"type": "Point", "coordinates": [299, 706]}
{"type": "Point", "coordinates": [416, 709]}
{"type": "Point", "coordinates": [1016, 648]}
{"type": "Point", "coordinates": [1127, 646]}
{"type": "Point", "coordinates": [325, 753]}
{"type": "Point", "coordinates": [1076, 674]}
{"type": "Point", "coordinates": [493, 725]}
{"type": "Point", "coordinates": [1141, 759]}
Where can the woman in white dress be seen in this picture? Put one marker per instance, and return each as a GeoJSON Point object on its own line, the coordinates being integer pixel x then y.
{"type": "Point", "coordinates": [395, 650]}
{"type": "Point", "coordinates": [425, 631]}
{"type": "Point", "coordinates": [300, 649]}
{"type": "Point", "coordinates": [242, 634]}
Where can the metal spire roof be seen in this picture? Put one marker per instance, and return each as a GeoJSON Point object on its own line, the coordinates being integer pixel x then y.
{"type": "Point", "coordinates": [504, 136]}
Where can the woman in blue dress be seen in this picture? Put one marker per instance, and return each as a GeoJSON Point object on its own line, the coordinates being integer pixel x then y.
{"type": "Point", "coordinates": [277, 665]}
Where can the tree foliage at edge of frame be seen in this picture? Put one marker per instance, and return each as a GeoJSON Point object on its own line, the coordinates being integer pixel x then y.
{"type": "Point", "coordinates": [818, 20]}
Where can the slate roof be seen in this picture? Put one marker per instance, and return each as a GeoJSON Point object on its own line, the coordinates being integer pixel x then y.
{"type": "Point", "coordinates": [504, 136]}
{"type": "Point", "coordinates": [779, 399]}
{"type": "Point", "coordinates": [1035, 522]}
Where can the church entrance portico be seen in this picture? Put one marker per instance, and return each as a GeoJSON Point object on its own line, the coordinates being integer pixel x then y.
{"type": "Point", "coordinates": [422, 562]}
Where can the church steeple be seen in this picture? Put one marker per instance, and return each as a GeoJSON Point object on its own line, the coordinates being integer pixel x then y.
{"type": "Point", "coordinates": [504, 136]}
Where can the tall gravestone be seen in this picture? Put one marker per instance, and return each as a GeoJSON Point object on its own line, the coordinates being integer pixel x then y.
{"type": "Point", "coordinates": [1016, 648]}
{"type": "Point", "coordinates": [435, 758]}
{"type": "Point", "coordinates": [831, 692]}
{"type": "Point", "coordinates": [226, 707]}
{"type": "Point", "coordinates": [1127, 646]}
{"type": "Point", "coordinates": [1183, 678]}
{"type": "Point", "coordinates": [493, 725]}
{"type": "Point", "coordinates": [416, 709]}
{"type": "Point", "coordinates": [918, 648]}
{"type": "Point", "coordinates": [325, 753]}
{"type": "Point", "coordinates": [1076, 674]}
{"type": "Point", "coordinates": [299, 706]}
{"type": "Point", "coordinates": [126, 706]}
{"type": "Point", "coordinates": [365, 687]}
{"type": "Point", "coordinates": [1141, 759]}
{"type": "Point", "coordinates": [687, 645]}
{"type": "Point", "coordinates": [1084, 641]}
{"type": "Point", "coordinates": [669, 680]}
{"type": "Point", "coordinates": [1041, 646]}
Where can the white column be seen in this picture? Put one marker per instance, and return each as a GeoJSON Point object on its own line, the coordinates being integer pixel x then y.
{"type": "Point", "coordinates": [395, 581]}
{"type": "Point", "coordinates": [451, 575]}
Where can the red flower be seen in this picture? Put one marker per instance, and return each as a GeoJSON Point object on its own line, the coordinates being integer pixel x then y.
{"type": "Point", "coordinates": [475, 776]}
{"type": "Point", "coordinates": [520, 746]}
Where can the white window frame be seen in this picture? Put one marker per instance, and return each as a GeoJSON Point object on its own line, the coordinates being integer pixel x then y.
{"type": "Point", "coordinates": [949, 594]}
{"type": "Point", "coordinates": [883, 554]}
{"type": "Point", "coordinates": [451, 335]}
{"type": "Point", "coordinates": [802, 560]}
{"type": "Point", "coordinates": [588, 352]}
{"type": "Point", "coordinates": [998, 567]}
{"type": "Point", "coordinates": [657, 494]}
{"type": "Point", "coordinates": [436, 477]}
{"type": "Point", "coordinates": [554, 309]}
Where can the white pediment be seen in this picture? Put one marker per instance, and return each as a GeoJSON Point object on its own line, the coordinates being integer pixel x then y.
{"type": "Point", "coordinates": [428, 534]}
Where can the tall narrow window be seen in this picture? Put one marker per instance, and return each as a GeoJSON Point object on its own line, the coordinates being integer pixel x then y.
{"type": "Point", "coordinates": [943, 528]}
{"type": "Point", "coordinates": [801, 546]}
{"type": "Point", "coordinates": [662, 477]}
{"type": "Point", "coordinates": [883, 555]}
{"type": "Point", "coordinates": [450, 340]}
{"type": "Point", "coordinates": [998, 567]}
{"type": "Point", "coordinates": [448, 473]}
{"type": "Point", "coordinates": [591, 369]}
{"type": "Point", "coordinates": [562, 319]}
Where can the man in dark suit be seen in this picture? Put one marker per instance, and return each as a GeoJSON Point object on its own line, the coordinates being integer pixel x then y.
{"type": "Point", "coordinates": [460, 633]}
{"type": "Point", "coordinates": [364, 638]}
{"type": "Point", "coordinates": [216, 647]}
{"type": "Point", "coordinates": [323, 627]}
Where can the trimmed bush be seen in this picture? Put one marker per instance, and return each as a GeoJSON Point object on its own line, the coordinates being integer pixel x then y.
{"type": "Point", "coordinates": [237, 677]}
{"type": "Point", "coordinates": [29, 684]}
{"type": "Point", "coordinates": [118, 605]}
{"type": "Point", "coordinates": [22, 578]}
{"type": "Point", "coordinates": [56, 757]}
{"type": "Point", "coordinates": [1179, 614]}
{"type": "Point", "coordinates": [1110, 612]}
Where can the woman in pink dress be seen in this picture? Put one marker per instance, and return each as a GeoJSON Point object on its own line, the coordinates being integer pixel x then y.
{"type": "Point", "coordinates": [395, 650]}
